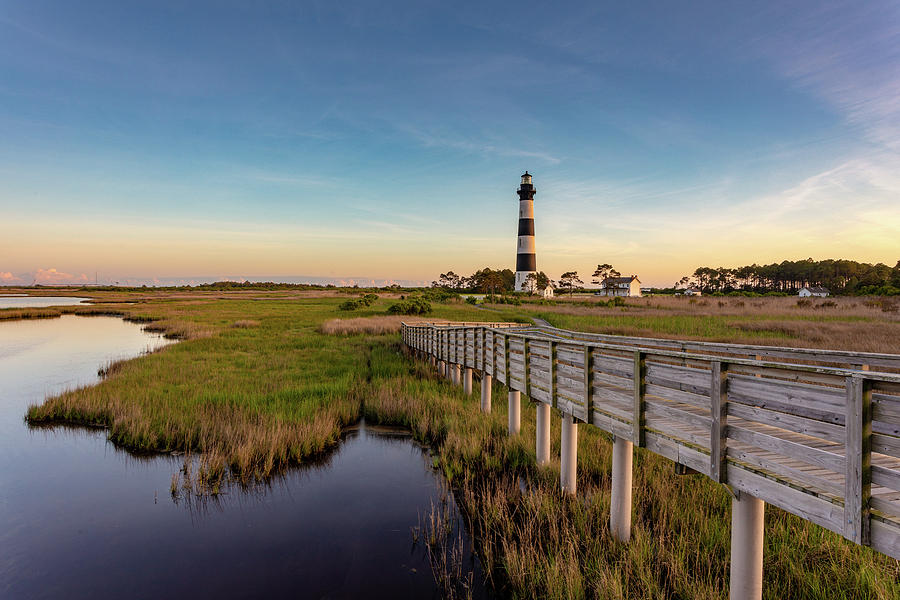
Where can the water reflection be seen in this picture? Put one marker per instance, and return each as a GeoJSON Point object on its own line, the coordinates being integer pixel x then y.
{"type": "Point", "coordinates": [79, 518]}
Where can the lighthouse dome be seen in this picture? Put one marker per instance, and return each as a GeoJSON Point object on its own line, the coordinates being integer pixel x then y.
{"type": "Point", "coordinates": [526, 178]}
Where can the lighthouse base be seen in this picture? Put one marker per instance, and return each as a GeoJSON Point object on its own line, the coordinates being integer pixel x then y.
{"type": "Point", "coordinates": [521, 284]}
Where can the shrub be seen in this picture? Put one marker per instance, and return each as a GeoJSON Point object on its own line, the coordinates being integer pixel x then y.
{"type": "Point", "coordinates": [471, 300]}
{"type": "Point", "coordinates": [513, 300]}
{"type": "Point", "coordinates": [362, 301]}
{"type": "Point", "coordinates": [413, 305]}
{"type": "Point", "coordinates": [350, 305]}
{"type": "Point", "coordinates": [440, 295]}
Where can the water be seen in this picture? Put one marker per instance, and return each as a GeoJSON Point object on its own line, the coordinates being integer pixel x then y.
{"type": "Point", "coordinates": [23, 301]}
{"type": "Point", "coordinates": [82, 519]}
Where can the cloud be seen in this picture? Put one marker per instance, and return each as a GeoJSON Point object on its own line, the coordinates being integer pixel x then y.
{"type": "Point", "coordinates": [474, 145]}
{"type": "Point", "coordinates": [6, 278]}
{"type": "Point", "coordinates": [51, 276]}
{"type": "Point", "coordinates": [847, 57]}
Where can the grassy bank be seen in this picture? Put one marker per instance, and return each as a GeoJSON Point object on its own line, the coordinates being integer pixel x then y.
{"type": "Point", "coordinates": [253, 387]}
{"type": "Point", "coordinates": [263, 382]}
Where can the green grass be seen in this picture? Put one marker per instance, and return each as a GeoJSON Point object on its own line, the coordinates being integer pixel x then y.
{"type": "Point", "coordinates": [257, 398]}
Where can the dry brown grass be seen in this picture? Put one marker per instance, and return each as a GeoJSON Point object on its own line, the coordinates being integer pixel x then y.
{"type": "Point", "coordinates": [851, 324]}
{"type": "Point", "coordinates": [367, 325]}
{"type": "Point", "coordinates": [853, 336]}
{"type": "Point", "coordinates": [245, 324]}
{"type": "Point", "coordinates": [836, 307]}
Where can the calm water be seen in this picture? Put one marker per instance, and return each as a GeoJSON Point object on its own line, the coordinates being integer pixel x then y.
{"type": "Point", "coordinates": [81, 519]}
{"type": "Point", "coordinates": [23, 301]}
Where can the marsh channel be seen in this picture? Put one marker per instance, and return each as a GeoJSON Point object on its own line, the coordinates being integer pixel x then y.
{"type": "Point", "coordinates": [81, 518]}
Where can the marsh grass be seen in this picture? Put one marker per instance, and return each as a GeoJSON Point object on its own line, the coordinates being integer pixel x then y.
{"type": "Point", "coordinates": [243, 403]}
{"type": "Point", "coordinates": [376, 325]}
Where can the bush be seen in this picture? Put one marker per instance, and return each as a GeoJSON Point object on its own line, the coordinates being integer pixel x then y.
{"type": "Point", "coordinates": [471, 300]}
{"type": "Point", "coordinates": [439, 295]}
{"type": "Point", "coordinates": [350, 305]}
{"type": "Point", "coordinates": [617, 301]}
{"type": "Point", "coordinates": [507, 300]}
{"type": "Point", "coordinates": [362, 301]}
{"type": "Point", "coordinates": [414, 305]}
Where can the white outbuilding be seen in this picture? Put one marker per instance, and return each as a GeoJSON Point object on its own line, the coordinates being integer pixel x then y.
{"type": "Point", "coordinates": [621, 286]}
{"type": "Point", "coordinates": [818, 292]}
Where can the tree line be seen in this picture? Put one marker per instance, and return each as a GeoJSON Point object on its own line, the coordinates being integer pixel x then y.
{"type": "Point", "coordinates": [487, 281]}
{"type": "Point", "coordinates": [840, 276]}
{"type": "Point", "coordinates": [501, 281]}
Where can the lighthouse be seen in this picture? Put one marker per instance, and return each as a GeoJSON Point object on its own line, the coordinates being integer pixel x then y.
{"type": "Point", "coordinates": [525, 261]}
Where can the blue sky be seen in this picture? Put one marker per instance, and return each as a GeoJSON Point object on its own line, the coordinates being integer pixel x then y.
{"type": "Point", "coordinates": [384, 140]}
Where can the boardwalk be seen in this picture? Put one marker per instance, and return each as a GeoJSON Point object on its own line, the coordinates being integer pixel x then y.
{"type": "Point", "coordinates": [814, 432]}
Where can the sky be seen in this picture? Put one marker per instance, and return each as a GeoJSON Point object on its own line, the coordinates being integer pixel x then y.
{"type": "Point", "coordinates": [168, 142]}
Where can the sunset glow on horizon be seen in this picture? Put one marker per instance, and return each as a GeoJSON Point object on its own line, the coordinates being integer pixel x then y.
{"type": "Point", "coordinates": [381, 143]}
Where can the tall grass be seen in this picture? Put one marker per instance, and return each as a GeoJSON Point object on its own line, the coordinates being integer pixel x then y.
{"type": "Point", "coordinates": [535, 542]}
{"type": "Point", "coordinates": [249, 401]}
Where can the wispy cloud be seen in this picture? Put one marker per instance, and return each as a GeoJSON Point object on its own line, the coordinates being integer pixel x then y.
{"type": "Point", "coordinates": [52, 275]}
{"type": "Point", "coordinates": [849, 56]}
{"type": "Point", "coordinates": [475, 145]}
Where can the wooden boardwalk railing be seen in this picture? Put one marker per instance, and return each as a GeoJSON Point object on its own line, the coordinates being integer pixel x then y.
{"type": "Point", "coordinates": [816, 433]}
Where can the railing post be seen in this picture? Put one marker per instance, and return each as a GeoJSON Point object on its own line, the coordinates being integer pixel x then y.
{"type": "Point", "coordinates": [482, 335]}
{"type": "Point", "coordinates": [554, 364]}
{"type": "Point", "coordinates": [747, 519]}
{"type": "Point", "coordinates": [640, 385]}
{"type": "Point", "coordinates": [718, 396]}
{"type": "Point", "coordinates": [620, 502]}
{"type": "Point", "coordinates": [525, 348]}
{"type": "Point", "coordinates": [588, 384]}
{"type": "Point", "coordinates": [568, 454]}
{"type": "Point", "coordinates": [432, 346]}
{"type": "Point", "coordinates": [455, 371]}
{"type": "Point", "coordinates": [493, 351]}
{"type": "Point", "coordinates": [858, 453]}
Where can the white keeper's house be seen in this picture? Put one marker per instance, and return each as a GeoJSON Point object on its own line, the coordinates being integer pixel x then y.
{"type": "Point", "coordinates": [621, 286]}
{"type": "Point", "coordinates": [819, 292]}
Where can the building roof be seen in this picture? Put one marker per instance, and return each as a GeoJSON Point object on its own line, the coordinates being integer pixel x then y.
{"type": "Point", "coordinates": [618, 280]}
{"type": "Point", "coordinates": [816, 290]}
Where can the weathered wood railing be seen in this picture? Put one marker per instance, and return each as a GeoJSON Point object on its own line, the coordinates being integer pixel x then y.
{"type": "Point", "coordinates": [836, 358]}
{"type": "Point", "coordinates": [821, 441]}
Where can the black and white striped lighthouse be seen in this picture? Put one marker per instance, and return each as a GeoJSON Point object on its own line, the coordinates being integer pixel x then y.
{"type": "Point", "coordinates": [525, 261]}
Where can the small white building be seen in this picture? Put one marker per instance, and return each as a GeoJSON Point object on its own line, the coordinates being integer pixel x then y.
{"type": "Point", "coordinates": [818, 292]}
{"type": "Point", "coordinates": [621, 286]}
{"type": "Point", "coordinates": [547, 292]}
{"type": "Point", "coordinates": [693, 292]}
